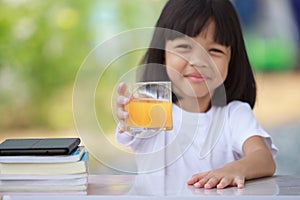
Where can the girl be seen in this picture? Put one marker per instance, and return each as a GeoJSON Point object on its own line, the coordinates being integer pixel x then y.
{"type": "Point", "coordinates": [215, 135]}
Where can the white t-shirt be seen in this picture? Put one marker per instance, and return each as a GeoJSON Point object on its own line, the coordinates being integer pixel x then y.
{"type": "Point", "coordinates": [198, 142]}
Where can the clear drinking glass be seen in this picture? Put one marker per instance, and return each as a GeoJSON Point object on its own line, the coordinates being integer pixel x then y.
{"type": "Point", "coordinates": [150, 107]}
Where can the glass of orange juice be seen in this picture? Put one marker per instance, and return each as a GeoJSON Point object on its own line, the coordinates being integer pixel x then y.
{"type": "Point", "coordinates": [150, 107]}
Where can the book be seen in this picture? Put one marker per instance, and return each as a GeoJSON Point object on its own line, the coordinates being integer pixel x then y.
{"type": "Point", "coordinates": [45, 174]}
{"type": "Point", "coordinates": [42, 188]}
{"type": "Point", "coordinates": [73, 157]}
{"type": "Point", "coordinates": [75, 181]}
{"type": "Point", "coordinates": [46, 168]}
{"type": "Point", "coordinates": [30, 177]}
{"type": "Point", "coordinates": [66, 184]}
{"type": "Point", "coordinates": [10, 195]}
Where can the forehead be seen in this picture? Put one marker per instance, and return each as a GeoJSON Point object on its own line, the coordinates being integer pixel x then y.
{"type": "Point", "coordinates": [208, 32]}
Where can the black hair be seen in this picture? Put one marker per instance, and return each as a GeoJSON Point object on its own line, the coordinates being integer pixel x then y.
{"type": "Point", "coordinates": [190, 17]}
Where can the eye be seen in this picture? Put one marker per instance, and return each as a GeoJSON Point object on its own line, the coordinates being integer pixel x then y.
{"type": "Point", "coordinates": [216, 50]}
{"type": "Point", "coordinates": [183, 46]}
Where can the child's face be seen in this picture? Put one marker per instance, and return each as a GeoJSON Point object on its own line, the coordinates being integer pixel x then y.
{"type": "Point", "coordinates": [197, 66]}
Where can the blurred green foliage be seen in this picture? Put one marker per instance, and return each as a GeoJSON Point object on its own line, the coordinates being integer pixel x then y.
{"type": "Point", "coordinates": [42, 45]}
{"type": "Point", "coordinates": [271, 54]}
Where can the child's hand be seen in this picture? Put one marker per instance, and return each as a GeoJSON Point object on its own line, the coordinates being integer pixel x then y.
{"type": "Point", "coordinates": [122, 101]}
{"type": "Point", "coordinates": [219, 178]}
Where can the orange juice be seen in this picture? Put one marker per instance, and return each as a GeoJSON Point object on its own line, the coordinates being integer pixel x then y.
{"type": "Point", "coordinates": [149, 114]}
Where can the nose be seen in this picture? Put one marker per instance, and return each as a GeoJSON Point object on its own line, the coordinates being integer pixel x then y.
{"type": "Point", "coordinates": [199, 58]}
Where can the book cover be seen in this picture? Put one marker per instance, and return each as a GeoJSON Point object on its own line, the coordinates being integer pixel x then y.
{"type": "Point", "coordinates": [46, 168]}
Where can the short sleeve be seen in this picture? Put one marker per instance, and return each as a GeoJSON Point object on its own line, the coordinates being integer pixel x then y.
{"type": "Point", "coordinates": [244, 125]}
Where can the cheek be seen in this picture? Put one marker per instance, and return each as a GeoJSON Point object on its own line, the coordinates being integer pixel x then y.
{"type": "Point", "coordinates": [173, 74]}
{"type": "Point", "coordinates": [222, 67]}
{"type": "Point", "coordinates": [175, 62]}
{"type": "Point", "coordinates": [224, 72]}
{"type": "Point", "coordinates": [226, 66]}
{"type": "Point", "coordinates": [175, 66]}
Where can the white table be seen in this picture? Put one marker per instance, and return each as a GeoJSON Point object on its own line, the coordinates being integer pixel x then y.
{"type": "Point", "coordinates": [159, 187]}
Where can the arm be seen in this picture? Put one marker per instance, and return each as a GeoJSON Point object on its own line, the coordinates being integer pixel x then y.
{"type": "Point", "coordinates": [257, 162]}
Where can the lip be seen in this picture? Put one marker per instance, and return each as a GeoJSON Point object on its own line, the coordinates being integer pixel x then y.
{"type": "Point", "coordinates": [196, 77]}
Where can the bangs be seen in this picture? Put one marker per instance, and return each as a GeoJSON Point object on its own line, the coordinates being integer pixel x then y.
{"type": "Point", "coordinates": [191, 21]}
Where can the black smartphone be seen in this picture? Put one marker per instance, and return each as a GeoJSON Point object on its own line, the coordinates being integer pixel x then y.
{"type": "Point", "coordinates": [38, 146]}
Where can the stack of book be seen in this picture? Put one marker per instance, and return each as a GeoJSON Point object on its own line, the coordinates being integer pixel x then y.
{"type": "Point", "coordinates": [44, 174]}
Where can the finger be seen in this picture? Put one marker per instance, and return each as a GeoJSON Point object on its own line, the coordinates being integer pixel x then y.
{"type": "Point", "coordinates": [121, 101]}
{"type": "Point", "coordinates": [224, 183]}
{"type": "Point", "coordinates": [122, 89]}
{"type": "Point", "coordinates": [196, 177]}
{"type": "Point", "coordinates": [239, 182]}
{"type": "Point", "coordinates": [121, 130]}
{"type": "Point", "coordinates": [121, 114]}
{"type": "Point", "coordinates": [121, 127]}
{"type": "Point", "coordinates": [211, 183]}
{"type": "Point", "coordinates": [201, 182]}
{"type": "Point", "coordinates": [192, 180]}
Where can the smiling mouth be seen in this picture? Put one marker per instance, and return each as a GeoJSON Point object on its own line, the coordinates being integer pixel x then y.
{"type": "Point", "coordinates": [197, 78]}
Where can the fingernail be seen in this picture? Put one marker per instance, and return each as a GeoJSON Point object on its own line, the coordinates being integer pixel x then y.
{"type": "Point", "coordinates": [197, 184]}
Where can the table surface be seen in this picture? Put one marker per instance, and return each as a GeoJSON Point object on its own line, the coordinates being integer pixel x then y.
{"type": "Point", "coordinates": [175, 187]}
